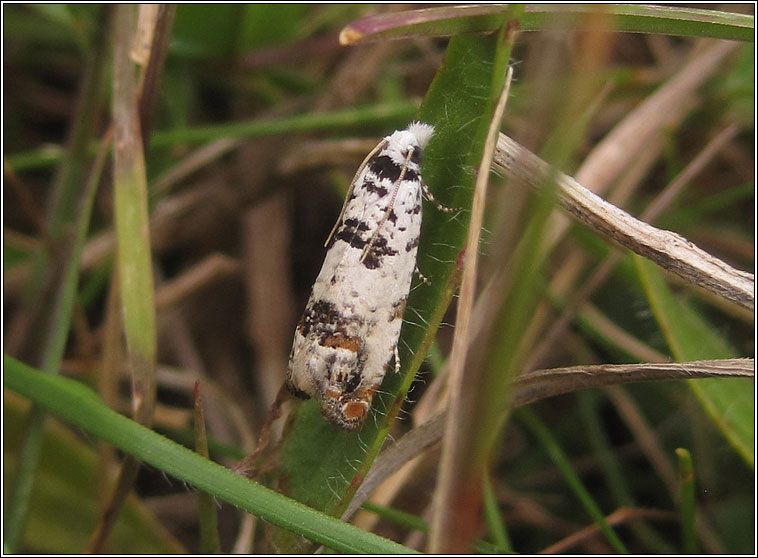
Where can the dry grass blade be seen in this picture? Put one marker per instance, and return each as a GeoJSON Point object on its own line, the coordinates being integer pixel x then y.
{"type": "Point", "coordinates": [134, 264]}
{"type": "Point", "coordinates": [453, 455]}
{"type": "Point", "coordinates": [211, 269]}
{"type": "Point", "coordinates": [666, 105]}
{"type": "Point", "coordinates": [616, 518]}
{"type": "Point", "coordinates": [160, 21]}
{"type": "Point", "coordinates": [667, 249]}
{"type": "Point", "coordinates": [542, 384]}
{"type": "Point", "coordinates": [579, 299]}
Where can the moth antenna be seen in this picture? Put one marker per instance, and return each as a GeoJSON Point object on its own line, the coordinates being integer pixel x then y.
{"type": "Point", "coordinates": [382, 144]}
{"type": "Point", "coordinates": [389, 205]}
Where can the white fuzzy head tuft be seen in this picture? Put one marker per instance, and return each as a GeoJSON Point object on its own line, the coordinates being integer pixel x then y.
{"type": "Point", "coordinates": [423, 132]}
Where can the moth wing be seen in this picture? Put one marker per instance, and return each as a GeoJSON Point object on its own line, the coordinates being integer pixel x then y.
{"type": "Point", "coordinates": [382, 144]}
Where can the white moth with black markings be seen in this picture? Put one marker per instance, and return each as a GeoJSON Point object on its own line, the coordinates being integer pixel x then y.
{"type": "Point", "coordinates": [349, 331]}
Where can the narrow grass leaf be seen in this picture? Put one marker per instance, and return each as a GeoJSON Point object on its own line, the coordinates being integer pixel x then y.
{"type": "Point", "coordinates": [65, 481]}
{"type": "Point", "coordinates": [451, 20]}
{"type": "Point", "coordinates": [553, 449]}
{"type": "Point", "coordinates": [75, 403]}
{"type": "Point", "coordinates": [208, 514]}
{"type": "Point", "coordinates": [687, 501]}
{"type": "Point", "coordinates": [730, 404]}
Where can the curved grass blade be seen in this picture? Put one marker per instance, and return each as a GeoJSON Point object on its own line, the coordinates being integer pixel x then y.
{"type": "Point", "coordinates": [729, 404]}
{"type": "Point", "coordinates": [452, 20]}
{"type": "Point", "coordinates": [78, 405]}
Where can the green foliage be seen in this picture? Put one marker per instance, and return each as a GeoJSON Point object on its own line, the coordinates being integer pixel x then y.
{"type": "Point", "coordinates": [271, 75]}
{"type": "Point", "coordinates": [81, 407]}
{"type": "Point", "coordinates": [67, 479]}
{"type": "Point", "coordinates": [729, 403]}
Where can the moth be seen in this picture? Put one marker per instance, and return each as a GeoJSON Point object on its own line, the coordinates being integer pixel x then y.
{"type": "Point", "coordinates": [351, 324]}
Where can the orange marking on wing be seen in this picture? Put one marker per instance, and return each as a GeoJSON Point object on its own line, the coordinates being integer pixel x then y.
{"type": "Point", "coordinates": [356, 410]}
{"type": "Point", "coordinates": [352, 344]}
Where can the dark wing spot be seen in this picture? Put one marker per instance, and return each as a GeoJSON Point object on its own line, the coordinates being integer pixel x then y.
{"type": "Point", "coordinates": [412, 243]}
{"type": "Point", "coordinates": [371, 186]}
{"type": "Point", "coordinates": [377, 252]}
{"type": "Point", "coordinates": [350, 232]}
{"type": "Point", "coordinates": [384, 167]}
{"type": "Point", "coordinates": [410, 174]}
{"type": "Point", "coordinates": [416, 209]}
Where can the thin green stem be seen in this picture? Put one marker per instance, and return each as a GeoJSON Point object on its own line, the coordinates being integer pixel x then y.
{"type": "Point", "coordinates": [548, 441]}
{"type": "Point", "coordinates": [494, 518]}
{"type": "Point", "coordinates": [687, 501]}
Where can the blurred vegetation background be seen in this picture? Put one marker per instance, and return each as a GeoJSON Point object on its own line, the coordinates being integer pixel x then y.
{"type": "Point", "coordinates": [259, 121]}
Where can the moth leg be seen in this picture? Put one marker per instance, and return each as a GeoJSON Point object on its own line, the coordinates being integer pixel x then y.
{"type": "Point", "coordinates": [428, 195]}
{"type": "Point", "coordinates": [422, 276]}
{"type": "Point", "coordinates": [397, 360]}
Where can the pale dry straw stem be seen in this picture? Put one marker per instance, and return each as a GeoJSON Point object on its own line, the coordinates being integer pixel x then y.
{"type": "Point", "coordinates": [651, 213]}
{"type": "Point", "coordinates": [451, 454]}
{"type": "Point", "coordinates": [206, 272]}
{"type": "Point", "coordinates": [667, 249]}
{"type": "Point", "coordinates": [611, 156]}
{"type": "Point", "coordinates": [196, 160]}
{"type": "Point", "coordinates": [618, 517]}
{"type": "Point", "coordinates": [641, 126]}
{"type": "Point", "coordinates": [618, 336]}
{"type": "Point", "coordinates": [541, 384]}
{"type": "Point", "coordinates": [243, 544]}
{"type": "Point", "coordinates": [622, 190]}
{"type": "Point", "coordinates": [572, 267]}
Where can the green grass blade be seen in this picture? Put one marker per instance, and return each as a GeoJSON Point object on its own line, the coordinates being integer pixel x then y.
{"type": "Point", "coordinates": [494, 518]}
{"type": "Point", "coordinates": [78, 405]}
{"type": "Point", "coordinates": [730, 403]}
{"type": "Point", "coordinates": [687, 501]}
{"type": "Point", "coordinates": [65, 480]}
{"type": "Point", "coordinates": [53, 351]}
{"type": "Point", "coordinates": [387, 114]}
{"type": "Point", "coordinates": [132, 223]}
{"type": "Point", "coordinates": [452, 20]}
{"type": "Point", "coordinates": [556, 454]}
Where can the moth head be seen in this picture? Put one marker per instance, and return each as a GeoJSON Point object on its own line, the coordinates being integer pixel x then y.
{"type": "Point", "coordinates": [416, 137]}
{"type": "Point", "coordinates": [422, 131]}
